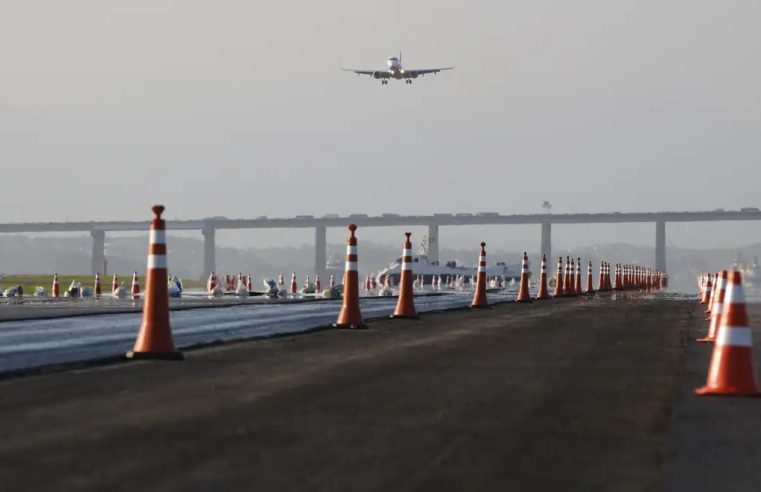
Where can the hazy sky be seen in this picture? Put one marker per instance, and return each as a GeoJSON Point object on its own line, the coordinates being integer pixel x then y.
{"type": "Point", "coordinates": [239, 109]}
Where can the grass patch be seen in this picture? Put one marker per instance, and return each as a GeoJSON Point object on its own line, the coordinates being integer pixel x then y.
{"type": "Point", "coordinates": [29, 282]}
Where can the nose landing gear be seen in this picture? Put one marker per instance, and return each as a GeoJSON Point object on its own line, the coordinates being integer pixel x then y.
{"type": "Point", "coordinates": [408, 81]}
{"type": "Point", "coordinates": [384, 82]}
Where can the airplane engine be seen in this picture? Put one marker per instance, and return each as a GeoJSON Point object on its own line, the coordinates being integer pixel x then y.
{"type": "Point", "coordinates": [413, 74]}
{"type": "Point", "coordinates": [377, 75]}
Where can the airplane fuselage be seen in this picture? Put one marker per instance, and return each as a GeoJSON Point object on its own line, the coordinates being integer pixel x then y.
{"type": "Point", "coordinates": [395, 68]}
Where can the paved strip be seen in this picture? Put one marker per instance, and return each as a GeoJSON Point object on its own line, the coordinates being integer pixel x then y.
{"type": "Point", "coordinates": [563, 395]}
{"type": "Point", "coordinates": [36, 309]}
{"type": "Point", "coordinates": [43, 344]}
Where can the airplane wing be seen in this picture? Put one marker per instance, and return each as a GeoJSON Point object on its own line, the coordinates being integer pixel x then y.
{"type": "Point", "coordinates": [423, 71]}
{"type": "Point", "coordinates": [378, 74]}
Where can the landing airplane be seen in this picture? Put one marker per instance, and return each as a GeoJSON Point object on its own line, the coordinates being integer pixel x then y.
{"type": "Point", "coordinates": [395, 71]}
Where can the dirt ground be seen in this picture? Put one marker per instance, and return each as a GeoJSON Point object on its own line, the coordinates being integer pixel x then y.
{"type": "Point", "coordinates": [561, 395]}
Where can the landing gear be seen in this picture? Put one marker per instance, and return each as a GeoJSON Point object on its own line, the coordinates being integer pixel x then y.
{"type": "Point", "coordinates": [384, 82]}
{"type": "Point", "coordinates": [408, 81]}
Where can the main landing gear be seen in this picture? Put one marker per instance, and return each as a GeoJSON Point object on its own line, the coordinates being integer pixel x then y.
{"type": "Point", "coordinates": [384, 82]}
{"type": "Point", "coordinates": [408, 81]}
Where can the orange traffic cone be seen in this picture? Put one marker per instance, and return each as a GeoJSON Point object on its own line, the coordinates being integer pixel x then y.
{"type": "Point", "coordinates": [577, 279]}
{"type": "Point", "coordinates": [405, 306]}
{"type": "Point", "coordinates": [600, 278]}
{"type": "Point", "coordinates": [718, 308]}
{"type": "Point", "coordinates": [732, 371]}
{"type": "Point", "coordinates": [350, 315]}
{"type": "Point", "coordinates": [523, 295]}
{"type": "Point", "coordinates": [543, 293]}
{"type": "Point", "coordinates": [249, 284]}
{"type": "Point", "coordinates": [608, 282]}
{"type": "Point", "coordinates": [211, 284]}
{"type": "Point", "coordinates": [114, 284]}
{"type": "Point", "coordinates": [154, 341]}
{"type": "Point", "coordinates": [135, 287]}
{"type": "Point", "coordinates": [317, 285]}
{"type": "Point", "coordinates": [570, 286]}
{"type": "Point", "coordinates": [294, 288]}
{"type": "Point", "coordinates": [332, 281]}
{"type": "Point", "coordinates": [55, 291]}
{"type": "Point", "coordinates": [590, 289]}
{"type": "Point", "coordinates": [96, 288]}
{"type": "Point", "coordinates": [479, 298]}
{"type": "Point", "coordinates": [567, 285]}
{"type": "Point", "coordinates": [712, 294]}
{"type": "Point", "coordinates": [559, 287]}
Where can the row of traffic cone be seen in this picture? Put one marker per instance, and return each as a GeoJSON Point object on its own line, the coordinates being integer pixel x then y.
{"type": "Point", "coordinates": [568, 279]}
{"type": "Point", "coordinates": [243, 283]}
{"type": "Point", "coordinates": [731, 370]}
{"type": "Point", "coordinates": [155, 339]}
{"type": "Point", "coordinates": [635, 277]}
{"type": "Point", "coordinates": [55, 291]}
{"type": "Point", "coordinates": [237, 284]}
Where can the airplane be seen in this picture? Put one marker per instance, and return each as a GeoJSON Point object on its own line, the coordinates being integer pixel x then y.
{"type": "Point", "coordinates": [395, 71]}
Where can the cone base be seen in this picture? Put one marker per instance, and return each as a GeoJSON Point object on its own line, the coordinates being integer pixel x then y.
{"type": "Point", "coordinates": [479, 306]}
{"type": "Point", "coordinates": [344, 326]}
{"type": "Point", "coordinates": [404, 316]}
{"type": "Point", "coordinates": [524, 300]}
{"type": "Point", "coordinates": [707, 391]}
{"type": "Point", "coordinates": [545, 298]}
{"type": "Point", "coordinates": [706, 340]}
{"type": "Point", "coordinates": [175, 355]}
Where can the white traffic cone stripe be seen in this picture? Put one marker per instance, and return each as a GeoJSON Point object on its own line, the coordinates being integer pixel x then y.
{"type": "Point", "coordinates": [735, 336]}
{"type": "Point", "coordinates": [156, 262]}
{"type": "Point", "coordinates": [157, 236]}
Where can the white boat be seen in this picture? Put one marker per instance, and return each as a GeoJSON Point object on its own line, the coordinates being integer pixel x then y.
{"type": "Point", "coordinates": [421, 265]}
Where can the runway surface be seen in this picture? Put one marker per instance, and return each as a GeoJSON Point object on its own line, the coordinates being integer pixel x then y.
{"type": "Point", "coordinates": [56, 333]}
{"type": "Point", "coordinates": [573, 394]}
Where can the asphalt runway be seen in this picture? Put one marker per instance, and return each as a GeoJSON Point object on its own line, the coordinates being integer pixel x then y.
{"type": "Point", "coordinates": [37, 335]}
{"type": "Point", "coordinates": [574, 394]}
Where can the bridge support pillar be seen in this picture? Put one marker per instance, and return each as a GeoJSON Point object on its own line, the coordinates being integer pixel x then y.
{"type": "Point", "coordinates": [547, 240]}
{"type": "Point", "coordinates": [320, 251]}
{"type": "Point", "coordinates": [209, 251]}
{"type": "Point", "coordinates": [98, 251]}
{"type": "Point", "coordinates": [433, 242]}
{"type": "Point", "coordinates": [660, 245]}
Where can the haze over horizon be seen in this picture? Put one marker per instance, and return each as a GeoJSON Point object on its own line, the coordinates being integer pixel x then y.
{"type": "Point", "coordinates": [239, 110]}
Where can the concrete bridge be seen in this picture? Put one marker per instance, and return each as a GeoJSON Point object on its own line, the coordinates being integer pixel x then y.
{"type": "Point", "coordinates": [208, 228]}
